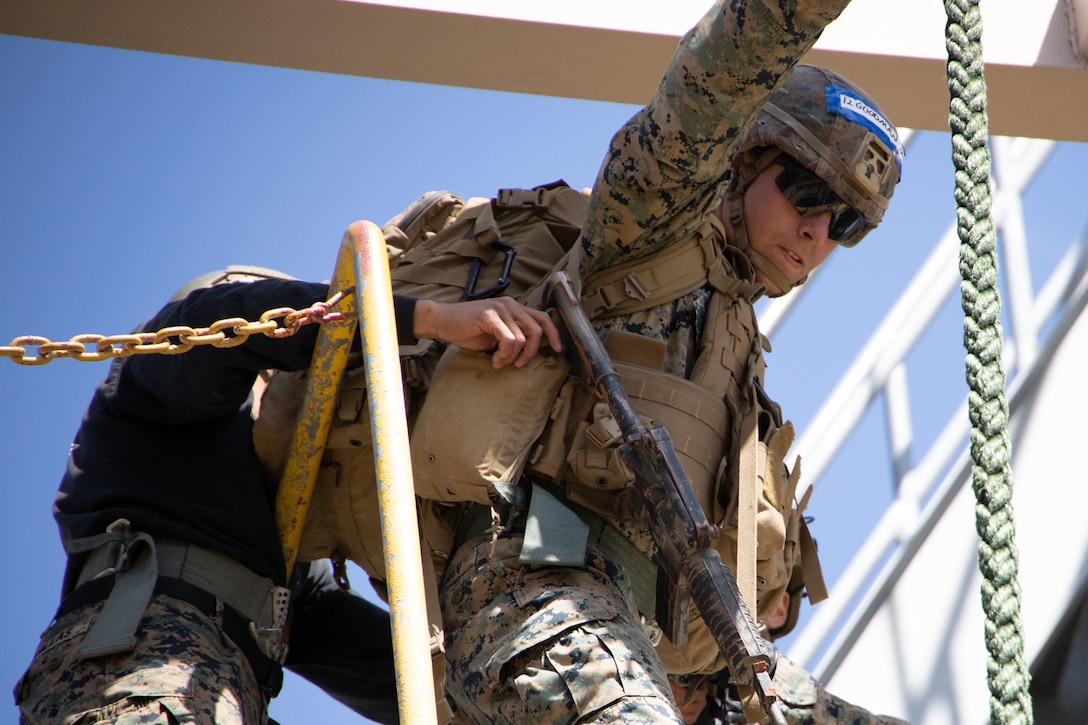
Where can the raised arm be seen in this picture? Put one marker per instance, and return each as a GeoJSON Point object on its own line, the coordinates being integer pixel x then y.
{"type": "Point", "coordinates": [666, 169]}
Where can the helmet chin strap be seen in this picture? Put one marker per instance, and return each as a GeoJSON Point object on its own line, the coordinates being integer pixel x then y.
{"type": "Point", "coordinates": [740, 238]}
{"type": "Point", "coordinates": [772, 273]}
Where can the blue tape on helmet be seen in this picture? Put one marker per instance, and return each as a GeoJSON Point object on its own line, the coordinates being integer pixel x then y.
{"type": "Point", "coordinates": [844, 102]}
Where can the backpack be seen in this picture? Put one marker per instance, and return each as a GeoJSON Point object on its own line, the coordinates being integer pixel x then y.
{"type": "Point", "coordinates": [447, 249]}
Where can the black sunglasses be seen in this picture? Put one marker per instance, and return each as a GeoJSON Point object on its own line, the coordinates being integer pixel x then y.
{"type": "Point", "coordinates": [809, 194]}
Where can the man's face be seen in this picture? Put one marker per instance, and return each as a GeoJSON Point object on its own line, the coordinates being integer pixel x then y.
{"type": "Point", "coordinates": [793, 243]}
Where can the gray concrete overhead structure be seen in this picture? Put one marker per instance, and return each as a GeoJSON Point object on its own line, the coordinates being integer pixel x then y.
{"type": "Point", "coordinates": [607, 50]}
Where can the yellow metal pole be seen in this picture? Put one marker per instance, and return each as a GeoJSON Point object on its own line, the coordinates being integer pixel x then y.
{"type": "Point", "coordinates": [393, 465]}
{"type": "Point", "coordinates": [362, 265]}
{"type": "Point", "coordinates": [315, 413]}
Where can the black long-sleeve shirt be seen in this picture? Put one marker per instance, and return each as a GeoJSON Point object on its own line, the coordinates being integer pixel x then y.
{"type": "Point", "coordinates": [167, 439]}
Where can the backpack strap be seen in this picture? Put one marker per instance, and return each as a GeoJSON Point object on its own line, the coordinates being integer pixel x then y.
{"type": "Point", "coordinates": [646, 282]}
{"type": "Point", "coordinates": [557, 200]}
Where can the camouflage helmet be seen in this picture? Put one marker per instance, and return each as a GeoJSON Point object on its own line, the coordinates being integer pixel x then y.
{"type": "Point", "coordinates": [836, 131]}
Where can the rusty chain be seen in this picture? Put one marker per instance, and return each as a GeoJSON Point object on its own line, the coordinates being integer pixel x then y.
{"type": "Point", "coordinates": [275, 323]}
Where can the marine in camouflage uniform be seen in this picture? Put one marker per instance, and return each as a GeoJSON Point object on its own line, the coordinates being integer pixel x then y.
{"type": "Point", "coordinates": [191, 656]}
{"type": "Point", "coordinates": [557, 644]}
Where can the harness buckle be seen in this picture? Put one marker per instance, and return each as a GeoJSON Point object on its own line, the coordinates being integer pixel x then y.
{"type": "Point", "coordinates": [114, 558]}
{"type": "Point", "coordinates": [604, 431]}
{"type": "Point", "coordinates": [634, 288]}
{"type": "Point", "coordinates": [520, 198]}
{"type": "Point", "coordinates": [269, 631]}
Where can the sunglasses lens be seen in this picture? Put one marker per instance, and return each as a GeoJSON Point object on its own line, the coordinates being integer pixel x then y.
{"type": "Point", "coordinates": [809, 194]}
{"type": "Point", "coordinates": [846, 225]}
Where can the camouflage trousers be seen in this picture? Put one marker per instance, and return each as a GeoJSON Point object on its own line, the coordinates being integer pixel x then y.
{"type": "Point", "coordinates": [183, 669]}
{"type": "Point", "coordinates": [547, 644]}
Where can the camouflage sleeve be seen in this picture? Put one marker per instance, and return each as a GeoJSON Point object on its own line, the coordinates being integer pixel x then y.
{"type": "Point", "coordinates": [665, 168]}
{"type": "Point", "coordinates": [805, 701]}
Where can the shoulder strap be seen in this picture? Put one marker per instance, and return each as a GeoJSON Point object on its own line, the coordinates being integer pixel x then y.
{"type": "Point", "coordinates": [666, 275]}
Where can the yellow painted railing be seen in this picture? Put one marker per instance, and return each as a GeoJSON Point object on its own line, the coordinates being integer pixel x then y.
{"type": "Point", "coordinates": [362, 265]}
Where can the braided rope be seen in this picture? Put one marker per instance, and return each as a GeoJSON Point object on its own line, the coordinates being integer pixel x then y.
{"type": "Point", "coordinates": [1010, 701]}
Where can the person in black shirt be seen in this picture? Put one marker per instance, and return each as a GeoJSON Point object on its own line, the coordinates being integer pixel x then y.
{"type": "Point", "coordinates": [176, 591]}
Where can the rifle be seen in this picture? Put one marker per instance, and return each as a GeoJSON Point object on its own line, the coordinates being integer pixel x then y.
{"type": "Point", "coordinates": [688, 567]}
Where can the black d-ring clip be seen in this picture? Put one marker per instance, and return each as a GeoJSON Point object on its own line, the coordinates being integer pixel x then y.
{"type": "Point", "coordinates": [504, 276]}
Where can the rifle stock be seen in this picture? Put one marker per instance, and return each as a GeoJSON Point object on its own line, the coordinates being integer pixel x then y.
{"type": "Point", "coordinates": [680, 529]}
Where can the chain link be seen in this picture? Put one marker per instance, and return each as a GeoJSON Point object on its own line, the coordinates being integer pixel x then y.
{"type": "Point", "coordinates": [275, 323]}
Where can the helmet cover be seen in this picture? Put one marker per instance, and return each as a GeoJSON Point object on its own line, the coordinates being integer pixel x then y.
{"type": "Point", "coordinates": [836, 131]}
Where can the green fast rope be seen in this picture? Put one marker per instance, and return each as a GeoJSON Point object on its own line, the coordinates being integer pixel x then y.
{"type": "Point", "coordinates": [991, 478]}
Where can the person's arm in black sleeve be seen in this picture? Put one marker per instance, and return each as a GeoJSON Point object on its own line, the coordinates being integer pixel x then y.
{"type": "Point", "coordinates": [208, 381]}
{"type": "Point", "coordinates": [404, 312]}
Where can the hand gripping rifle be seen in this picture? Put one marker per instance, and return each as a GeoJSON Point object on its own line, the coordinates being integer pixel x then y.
{"type": "Point", "coordinates": [688, 567]}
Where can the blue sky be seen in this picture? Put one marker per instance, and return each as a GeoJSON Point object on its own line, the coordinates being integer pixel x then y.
{"type": "Point", "coordinates": [123, 175]}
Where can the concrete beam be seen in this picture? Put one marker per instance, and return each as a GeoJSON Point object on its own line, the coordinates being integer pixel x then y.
{"type": "Point", "coordinates": [1037, 83]}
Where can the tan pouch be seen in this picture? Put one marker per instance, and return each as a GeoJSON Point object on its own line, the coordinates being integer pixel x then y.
{"type": "Point", "coordinates": [594, 459]}
{"type": "Point", "coordinates": [478, 425]}
{"type": "Point", "coordinates": [694, 419]}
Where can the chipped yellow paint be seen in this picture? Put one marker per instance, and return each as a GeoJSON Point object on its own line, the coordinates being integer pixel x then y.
{"type": "Point", "coordinates": [362, 265]}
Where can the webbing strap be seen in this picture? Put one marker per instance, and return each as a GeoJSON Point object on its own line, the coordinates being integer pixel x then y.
{"type": "Point", "coordinates": [773, 273]}
{"type": "Point", "coordinates": [216, 573]}
{"type": "Point", "coordinates": [565, 204]}
{"type": "Point", "coordinates": [561, 202]}
{"type": "Point", "coordinates": [434, 615]}
{"type": "Point", "coordinates": [137, 562]}
{"type": "Point", "coordinates": [640, 569]}
{"type": "Point", "coordinates": [751, 466]}
{"type": "Point", "coordinates": [655, 279]}
{"type": "Point", "coordinates": [554, 534]}
{"type": "Point", "coordinates": [811, 571]}
{"type": "Point", "coordinates": [753, 707]}
{"type": "Point", "coordinates": [114, 630]}
{"type": "Point", "coordinates": [667, 275]}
